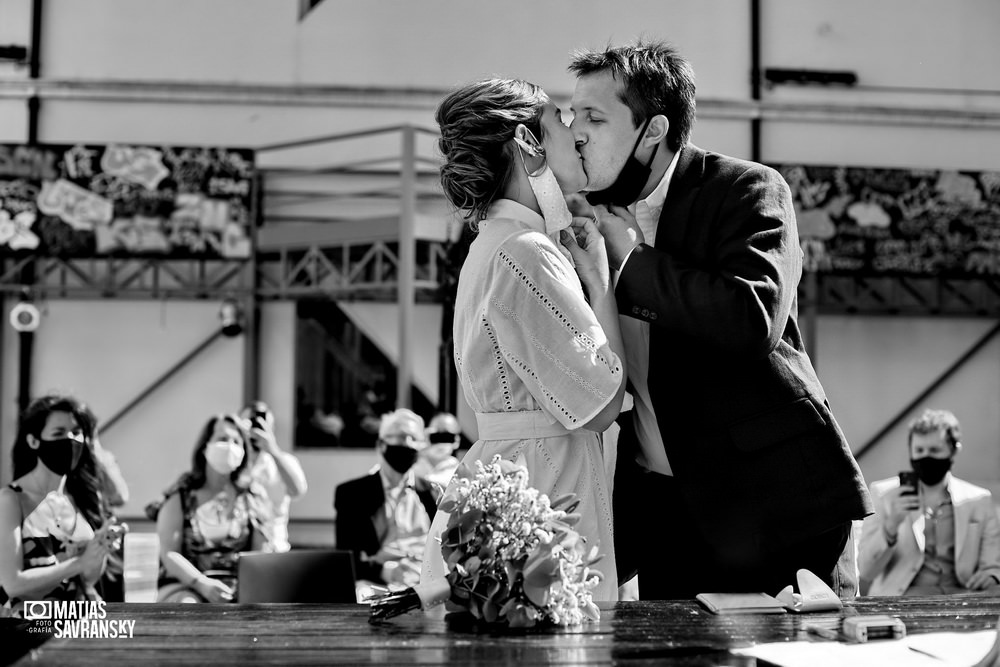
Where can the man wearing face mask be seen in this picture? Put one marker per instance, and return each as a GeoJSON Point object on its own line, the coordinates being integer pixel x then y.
{"type": "Point", "coordinates": [732, 473]}
{"type": "Point", "coordinates": [384, 516]}
{"type": "Point", "coordinates": [940, 536]}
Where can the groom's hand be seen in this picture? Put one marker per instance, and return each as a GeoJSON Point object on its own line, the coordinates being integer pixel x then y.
{"type": "Point", "coordinates": [620, 230]}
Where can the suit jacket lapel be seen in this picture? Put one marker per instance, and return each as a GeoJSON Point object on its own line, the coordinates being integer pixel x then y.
{"type": "Point", "coordinates": [681, 195]}
{"type": "Point", "coordinates": [374, 496]}
{"type": "Point", "coordinates": [962, 511]}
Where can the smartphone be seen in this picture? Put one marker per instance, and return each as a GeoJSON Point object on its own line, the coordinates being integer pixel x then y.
{"type": "Point", "coordinates": [908, 478]}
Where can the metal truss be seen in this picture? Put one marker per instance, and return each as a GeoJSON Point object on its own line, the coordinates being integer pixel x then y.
{"type": "Point", "coordinates": [901, 295]}
{"type": "Point", "coordinates": [156, 278]}
{"type": "Point", "coordinates": [353, 271]}
{"type": "Point", "coordinates": [357, 271]}
{"type": "Point", "coordinates": [369, 271]}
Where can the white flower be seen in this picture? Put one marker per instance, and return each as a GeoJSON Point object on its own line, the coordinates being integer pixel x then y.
{"type": "Point", "coordinates": [515, 521]}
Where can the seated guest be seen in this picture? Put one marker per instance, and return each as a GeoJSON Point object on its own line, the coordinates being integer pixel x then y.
{"type": "Point", "coordinates": [278, 472]}
{"type": "Point", "coordinates": [939, 536]}
{"type": "Point", "coordinates": [212, 515]}
{"type": "Point", "coordinates": [384, 516]}
{"type": "Point", "coordinates": [55, 535]}
{"type": "Point", "coordinates": [437, 461]}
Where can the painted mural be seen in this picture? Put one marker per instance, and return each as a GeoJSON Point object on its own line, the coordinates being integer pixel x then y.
{"type": "Point", "coordinates": [126, 200]}
{"type": "Point", "coordinates": [869, 221]}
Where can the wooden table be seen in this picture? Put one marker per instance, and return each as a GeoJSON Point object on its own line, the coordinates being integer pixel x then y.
{"type": "Point", "coordinates": [670, 632]}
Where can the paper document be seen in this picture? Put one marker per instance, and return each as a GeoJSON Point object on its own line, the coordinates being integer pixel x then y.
{"type": "Point", "coordinates": [935, 649]}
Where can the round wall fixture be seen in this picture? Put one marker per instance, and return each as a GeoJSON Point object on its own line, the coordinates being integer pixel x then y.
{"type": "Point", "coordinates": [25, 317]}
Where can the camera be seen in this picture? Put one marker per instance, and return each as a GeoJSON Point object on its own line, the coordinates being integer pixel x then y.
{"type": "Point", "coordinates": [259, 415]}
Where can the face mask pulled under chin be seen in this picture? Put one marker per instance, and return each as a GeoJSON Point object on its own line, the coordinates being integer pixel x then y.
{"type": "Point", "coordinates": [223, 457]}
{"type": "Point", "coordinates": [61, 455]}
{"type": "Point", "coordinates": [630, 182]}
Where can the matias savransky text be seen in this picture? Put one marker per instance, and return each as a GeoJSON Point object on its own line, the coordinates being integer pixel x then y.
{"type": "Point", "coordinates": [79, 619]}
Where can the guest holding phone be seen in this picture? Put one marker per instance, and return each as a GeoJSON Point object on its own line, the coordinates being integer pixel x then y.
{"type": "Point", "coordinates": [932, 533]}
{"type": "Point", "coordinates": [279, 473]}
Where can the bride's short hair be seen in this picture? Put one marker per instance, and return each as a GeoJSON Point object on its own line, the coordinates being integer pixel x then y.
{"type": "Point", "coordinates": [477, 123]}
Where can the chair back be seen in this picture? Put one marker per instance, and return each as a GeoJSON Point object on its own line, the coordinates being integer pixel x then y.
{"type": "Point", "coordinates": [299, 575]}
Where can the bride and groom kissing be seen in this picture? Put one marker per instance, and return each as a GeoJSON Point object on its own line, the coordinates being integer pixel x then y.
{"type": "Point", "coordinates": [680, 288]}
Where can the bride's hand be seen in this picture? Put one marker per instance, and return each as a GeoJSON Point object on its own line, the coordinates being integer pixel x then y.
{"type": "Point", "coordinates": [586, 245]}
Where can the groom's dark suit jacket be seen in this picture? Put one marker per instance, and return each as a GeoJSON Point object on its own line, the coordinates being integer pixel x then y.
{"type": "Point", "coordinates": [745, 422]}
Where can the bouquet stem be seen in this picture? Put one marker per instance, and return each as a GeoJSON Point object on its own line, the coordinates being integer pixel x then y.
{"type": "Point", "coordinates": [422, 596]}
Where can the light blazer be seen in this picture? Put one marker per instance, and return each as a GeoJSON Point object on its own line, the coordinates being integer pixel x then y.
{"type": "Point", "coordinates": [745, 422]}
{"type": "Point", "coordinates": [892, 569]}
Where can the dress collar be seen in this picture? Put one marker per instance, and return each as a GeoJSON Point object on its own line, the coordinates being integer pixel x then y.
{"type": "Point", "coordinates": [512, 210]}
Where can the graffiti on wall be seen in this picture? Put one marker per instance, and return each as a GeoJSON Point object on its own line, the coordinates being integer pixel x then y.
{"type": "Point", "coordinates": [897, 221]}
{"type": "Point", "coordinates": [126, 200]}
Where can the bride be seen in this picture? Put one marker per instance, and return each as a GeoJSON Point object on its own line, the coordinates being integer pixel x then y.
{"type": "Point", "coordinates": [537, 344]}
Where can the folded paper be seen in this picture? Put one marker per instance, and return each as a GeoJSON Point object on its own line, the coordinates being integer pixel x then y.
{"type": "Point", "coordinates": [813, 595]}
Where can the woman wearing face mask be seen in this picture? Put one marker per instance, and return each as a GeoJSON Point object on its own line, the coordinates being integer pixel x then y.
{"type": "Point", "coordinates": [211, 518]}
{"type": "Point", "coordinates": [54, 535]}
{"type": "Point", "coordinates": [437, 461]}
{"type": "Point", "coordinates": [538, 348]}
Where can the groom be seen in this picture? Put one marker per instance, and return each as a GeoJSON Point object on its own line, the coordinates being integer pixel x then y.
{"type": "Point", "coordinates": [732, 471]}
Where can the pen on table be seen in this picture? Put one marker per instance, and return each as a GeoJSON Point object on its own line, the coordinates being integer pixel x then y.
{"type": "Point", "coordinates": [826, 633]}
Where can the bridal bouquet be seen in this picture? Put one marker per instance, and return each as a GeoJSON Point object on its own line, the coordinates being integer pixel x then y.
{"type": "Point", "coordinates": [513, 558]}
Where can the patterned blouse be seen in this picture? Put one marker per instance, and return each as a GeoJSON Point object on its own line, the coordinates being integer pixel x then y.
{"type": "Point", "coordinates": [216, 532]}
{"type": "Point", "coordinates": [53, 532]}
{"type": "Point", "coordinates": [528, 339]}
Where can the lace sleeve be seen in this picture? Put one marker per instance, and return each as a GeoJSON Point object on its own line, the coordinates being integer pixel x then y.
{"type": "Point", "coordinates": [548, 333]}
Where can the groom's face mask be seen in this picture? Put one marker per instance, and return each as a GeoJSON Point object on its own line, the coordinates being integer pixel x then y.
{"type": "Point", "coordinates": [631, 179]}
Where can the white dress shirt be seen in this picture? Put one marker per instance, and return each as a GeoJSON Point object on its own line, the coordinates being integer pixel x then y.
{"type": "Point", "coordinates": [635, 336]}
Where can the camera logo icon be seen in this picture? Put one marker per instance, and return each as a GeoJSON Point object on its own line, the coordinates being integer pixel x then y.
{"type": "Point", "coordinates": [37, 610]}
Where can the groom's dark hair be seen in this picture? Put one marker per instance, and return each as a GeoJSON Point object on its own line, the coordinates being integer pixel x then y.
{"type": "Point", "coordinates": [655, 79]}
